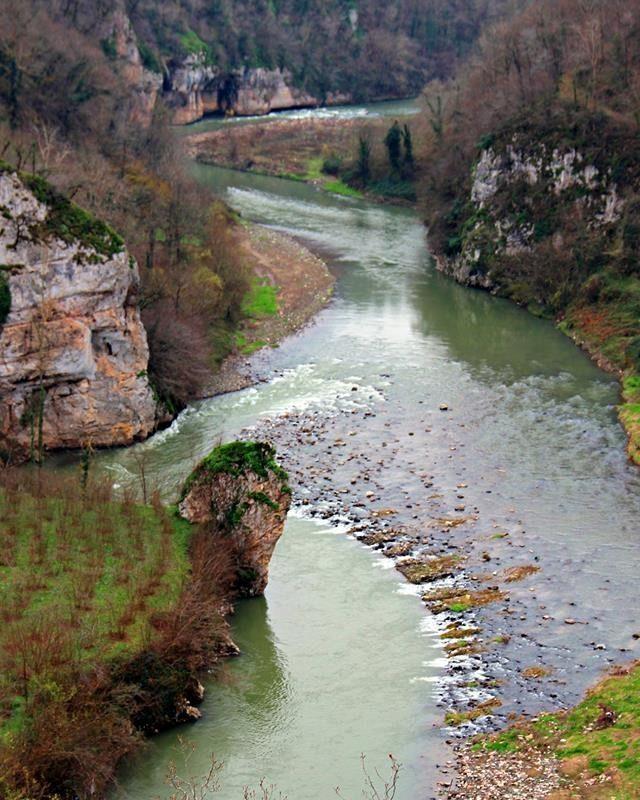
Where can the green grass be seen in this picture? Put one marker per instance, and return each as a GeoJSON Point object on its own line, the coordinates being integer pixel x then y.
{"type": "Point", "coordinates": [82, 578]}
{"type": "Point", "coordinates": [192, 43]}
{"type": "Point", "coordinates": [247, 346]}
{"type": "Point", "coordinates": [237, 458]}
{"type": "Point", "coordinates": [612, 749]}
{"type": "Point", "coordinates": [314, 169]}
{"type": "Point", "coordinates": [261, 300]}
{"type": "Point", "coordinates": [342, 189]}
{"type": "Point", "coordinates": [69, 222]}
{"type": "Point", "coordinates": [459, 608]}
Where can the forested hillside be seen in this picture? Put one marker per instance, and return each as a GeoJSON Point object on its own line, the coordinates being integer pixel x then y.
{"type": "Point", "coordinates": [534, 185]}
{"type": "Point", "coordinates": [87, 119]}
{"type": "Point", "coordinates": [367, 48]}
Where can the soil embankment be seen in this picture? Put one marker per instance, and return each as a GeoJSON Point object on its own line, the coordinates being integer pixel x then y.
{"type": "Point", "coordinates": [279, 147]}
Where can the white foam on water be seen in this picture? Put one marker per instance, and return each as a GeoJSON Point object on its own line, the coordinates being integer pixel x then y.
{"type": "Point", "coordinates": [409, 589]}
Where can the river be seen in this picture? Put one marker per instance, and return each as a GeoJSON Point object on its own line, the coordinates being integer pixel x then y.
{"type": "Point", "coordinates": [340, 658]}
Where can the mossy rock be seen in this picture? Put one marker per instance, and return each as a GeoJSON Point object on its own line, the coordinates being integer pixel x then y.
{"type": "Point", "coordinates": [70, 223]}
{"type": "Point", "coordinates": [238, 458]}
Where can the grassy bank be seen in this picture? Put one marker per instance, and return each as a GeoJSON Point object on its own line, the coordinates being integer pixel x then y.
{"type": "Point", "coordinates": [325, 152]}
{"type": "Point", "coordinates": [109, 608]}
{"type": "Point", "coordinates": [288, 287]}
{"type": "Point", "coordinates": [605, 320]}
{"type": "Point", "coordinates": [596, 745]}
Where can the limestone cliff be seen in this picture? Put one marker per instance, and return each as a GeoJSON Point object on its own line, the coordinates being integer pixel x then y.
{"type": "Point", "coordinates": [193, 89]}
{"type": "Point", "coordinates": [144, 85]}
{"type": "Point", "coordinates": [242, 493]}
{"type": "Point", "coordinates": [550, 218]}
{"type": "Point", "coordinates": [519, 193]}
{"type": "Point", "coordinates": [73, 350]}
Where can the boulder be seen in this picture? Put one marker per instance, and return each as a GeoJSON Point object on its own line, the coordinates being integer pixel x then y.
{"type": "Point", "coordinates": [242, 494]}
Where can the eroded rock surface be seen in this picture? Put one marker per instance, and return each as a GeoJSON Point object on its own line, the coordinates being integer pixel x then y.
{"type": "Point", "coordinates": [193, 89]}
{"type": "Point", "coordinates": [244, 495]}
{"type": "Point", "coordinates": [73, 350]}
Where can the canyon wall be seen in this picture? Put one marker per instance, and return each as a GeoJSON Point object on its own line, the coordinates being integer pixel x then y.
{"type": "Point", "coordinates": [73, 350]}
{"type": "Point", "coordinates": [193, 89]}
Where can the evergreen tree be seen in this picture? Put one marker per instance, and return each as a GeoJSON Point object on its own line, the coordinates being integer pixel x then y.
{"type": "Point", "coordinates": [364, 157]}
{"type": "Point", "coordinates": [393, 143]}
{"type": "Point", "coordinates": [407, 141]}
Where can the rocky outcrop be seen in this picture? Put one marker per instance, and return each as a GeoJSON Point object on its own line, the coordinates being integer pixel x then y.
{"type": "Point", "coordinates": [194, 89]}
{"type": "Point", "coordinates": [73, 350]}
{"type": "Point", "coordinates": [144, 85]}
{"type": "Point", "coordinates": [242, 494]}
{"type": "Point", "coordinates": [519, 193]}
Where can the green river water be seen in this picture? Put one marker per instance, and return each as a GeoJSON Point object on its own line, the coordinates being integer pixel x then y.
{"type": "Point", "coordinates": [340, 658]}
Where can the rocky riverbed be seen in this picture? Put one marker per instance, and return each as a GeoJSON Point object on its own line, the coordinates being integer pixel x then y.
{"type": "Point", "coordinates": [512, 644]}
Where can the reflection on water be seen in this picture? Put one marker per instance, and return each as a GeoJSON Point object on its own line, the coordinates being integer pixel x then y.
{"type": "Point", "coordinates": [332, 665]}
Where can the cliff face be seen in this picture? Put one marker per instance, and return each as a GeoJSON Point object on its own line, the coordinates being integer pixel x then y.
{"type": "Point", "coordinates": [144, 86]}
{"type": "Point", "coordinates": [243, 494]}
{"type": "Point", "coordinates": [551, 220]}
{"type": "Point", "coordinates": [73, 351]}
{"type": "Point", "coordinates": [520, 195]}
{"type": "Point", "coordinates": [193, 89]}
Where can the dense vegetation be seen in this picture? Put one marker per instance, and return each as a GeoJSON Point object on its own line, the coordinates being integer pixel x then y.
{"type": "Point", "coordinates": [366, 48]}
{"type": "Point", "coordinates": [108, 610]}
{"type": "Point", "coordinates": [559, 77]}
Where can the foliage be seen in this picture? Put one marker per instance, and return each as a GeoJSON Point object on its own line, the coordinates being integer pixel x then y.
{"type": "Point", "coordinates": [331, 165]}
{"type": "Point", "coordinates": [237, 458]}
{"type": "Point", "coordinates": [389, 52]}
{"type": "Point", "coordinates": [393, 143]}
{"type": "Point", "coordinates": [108, 607]}
{"type": "Point", "coordinates": [560, 80]}
{"type": "Point", "coordinates": [149, 59]}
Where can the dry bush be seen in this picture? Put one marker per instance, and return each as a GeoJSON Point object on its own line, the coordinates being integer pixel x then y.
{"type": "Point", "coordinates": [178, 354]}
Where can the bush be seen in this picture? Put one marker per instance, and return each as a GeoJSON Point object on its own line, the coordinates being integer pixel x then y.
{"type": "Point", "coordinates": [332, 165]}
{"type": "Point", "coordinates": [178, 355]}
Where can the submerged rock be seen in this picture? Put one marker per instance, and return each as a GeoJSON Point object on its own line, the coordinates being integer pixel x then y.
{"type": "Point", "coordinates": [243, 494]}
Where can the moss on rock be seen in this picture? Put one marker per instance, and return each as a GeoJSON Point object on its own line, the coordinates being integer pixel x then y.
{"type": "Point", "coordinates": [238, 458]}
{"type": "Point", "coordinates": [67, 221]}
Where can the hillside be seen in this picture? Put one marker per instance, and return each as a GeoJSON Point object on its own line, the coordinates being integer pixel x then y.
{"type": "Point", "coordinates": [242, 57]}
{"type": "Point", "coordinates": [535, 189]}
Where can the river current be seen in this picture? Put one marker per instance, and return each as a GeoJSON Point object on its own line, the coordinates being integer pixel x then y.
{"type": "Point", "coordinates": [340, 658]}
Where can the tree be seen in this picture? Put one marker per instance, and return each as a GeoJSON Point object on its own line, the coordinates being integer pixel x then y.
{"type": "Point", "coordinates": [363, 167]}
{"type": "Point", "coordinates": [393, 143]}
{"type": "Point", "coordinates": [407, 141]}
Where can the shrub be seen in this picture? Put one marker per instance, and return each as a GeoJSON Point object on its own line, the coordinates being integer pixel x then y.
{"type": "Point", "coordinates": [331, 165]}
{"type": "Point", "coordinates": [178, 355]}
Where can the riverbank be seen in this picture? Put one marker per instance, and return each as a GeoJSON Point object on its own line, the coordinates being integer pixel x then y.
{"type": "Point", "coordinates": [590, 752]}
{"type": "Point", "coordinates": [290, 286]}
{"type": "Point", "coordinates": [320, 151]}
